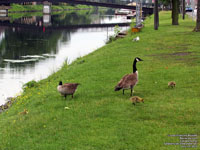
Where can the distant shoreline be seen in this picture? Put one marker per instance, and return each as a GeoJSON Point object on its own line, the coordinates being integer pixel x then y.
{"type": "Point", "coordinates": [54, 10]}
{"type": "Point", "coordinates": [16, 8]}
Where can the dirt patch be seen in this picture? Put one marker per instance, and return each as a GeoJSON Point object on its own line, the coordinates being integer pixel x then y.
{"type": "Point", "coordinates": [189, 58]}
{"type": "Point", "coordinates": [172, 54]}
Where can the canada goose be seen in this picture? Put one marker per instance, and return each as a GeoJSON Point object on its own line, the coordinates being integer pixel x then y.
{"type": "Point", "coordinates": [24, 112]}
{"type": "Point", "coordinates": [129, 80]}
{"type": "Point", "coordinates": [172, 84]}
{"type": "Point", "coordinates": [67, 88]}
{"type": "Point", "coordinates": [136, 99]}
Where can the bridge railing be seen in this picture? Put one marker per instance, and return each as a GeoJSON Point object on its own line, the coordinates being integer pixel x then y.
{"type": "Point", "coordinates": [120, 2]}
{"type": "Point", "coordinates": [109, 1]}
{"type": "Point", "coordinates": [82, 2]}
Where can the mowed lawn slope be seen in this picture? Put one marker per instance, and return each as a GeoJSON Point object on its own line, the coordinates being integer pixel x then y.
{"type": "Point", "coordinates": [98, 118]}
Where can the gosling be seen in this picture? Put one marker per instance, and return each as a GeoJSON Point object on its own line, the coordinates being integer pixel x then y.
{"type": "Point", "coordinates": [136, 99]}
{"type": "Point", "coordinates": [24, 112]}
{"type": "Point", "coordinates": [172, 84]}
{"type": "Point", "coordinates": [67, 88]}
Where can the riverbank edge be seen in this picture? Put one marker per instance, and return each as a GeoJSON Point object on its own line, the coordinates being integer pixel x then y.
{"type": "Point", "coordinates": [54, 10]}
{"type": "Point", "coordinates": [152, 102]}
{"type": "Point", "coordinates": [10, 100]}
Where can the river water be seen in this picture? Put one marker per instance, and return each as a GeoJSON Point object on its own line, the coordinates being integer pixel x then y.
{"type": "Point", "coordinates": [30, 53]}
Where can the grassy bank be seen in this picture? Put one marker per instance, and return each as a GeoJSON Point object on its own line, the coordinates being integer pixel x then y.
{"type": "Point", "coordinates": [99, 118]}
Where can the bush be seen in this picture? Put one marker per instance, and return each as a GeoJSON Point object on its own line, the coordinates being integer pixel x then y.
{"type": "Point", "coordinates": [30, 84]}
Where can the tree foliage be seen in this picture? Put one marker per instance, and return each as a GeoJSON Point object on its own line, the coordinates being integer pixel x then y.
{"type": "Point", "coordinates": [165, 2]}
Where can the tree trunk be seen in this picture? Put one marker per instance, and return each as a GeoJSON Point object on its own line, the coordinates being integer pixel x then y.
{"type": "Point", "coordinates": [156, 18]}
{"type": "Point", "coordinates": [175, 12]}
{"type": "Point", "coordinates": [183, 9]}
{"type": "Point", "coordinates": [198, 17]}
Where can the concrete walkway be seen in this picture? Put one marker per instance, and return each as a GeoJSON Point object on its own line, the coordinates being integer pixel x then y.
{"type": "Point", "coordinates": [193, 14]}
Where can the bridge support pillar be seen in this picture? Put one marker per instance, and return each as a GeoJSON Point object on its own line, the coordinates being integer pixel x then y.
{"type": "Point", "coordinates": [46, 20]}
{"type": "Point", "coordinates": [4, 11]}
{"type": "Point", "coordinates": [46, 7]}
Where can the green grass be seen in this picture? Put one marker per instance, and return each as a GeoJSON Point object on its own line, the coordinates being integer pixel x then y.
{"type": "Point", "coordinates": [99, 118]}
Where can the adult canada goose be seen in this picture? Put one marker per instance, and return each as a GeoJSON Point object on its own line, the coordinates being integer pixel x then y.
{"type": "Point", "coordinates": [129, 80]}
{"type": "Point", "coordinates": [67, 88]}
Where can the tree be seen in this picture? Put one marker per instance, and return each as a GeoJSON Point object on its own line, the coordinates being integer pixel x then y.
{"type": "Point", "coordinates": [156, 18]}
{"type": "Point", "coordinates": [183, 9]}
{"type": "Point", "coordinates": [197, 28]}
{"type": "Point", "coordinates": [175, 12]}
{"type": "Point", "coordinates": [165, 3]}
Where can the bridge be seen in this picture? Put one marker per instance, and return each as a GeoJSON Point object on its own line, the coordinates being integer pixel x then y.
{"type": "Point", "coordinates": [82, 2]}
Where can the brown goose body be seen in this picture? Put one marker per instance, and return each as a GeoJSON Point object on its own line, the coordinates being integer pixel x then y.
{"type": "Point", "coordinates": [130, 80]}
{"type": "Point", "coordinates": [67, 88]}
{"type": "Point", "coordinates": [24, 112]}
{"type": "Point", "coordinates": [172, 84]}
{"type": "Point", "coordinates": [136, 99]}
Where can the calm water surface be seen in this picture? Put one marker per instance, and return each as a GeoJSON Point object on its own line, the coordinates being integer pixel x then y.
{"type": "Point", "coordinates": [29, 54]}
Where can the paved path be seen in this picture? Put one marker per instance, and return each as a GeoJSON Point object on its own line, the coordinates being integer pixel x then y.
{"type": "Point", "coordinates": [193, 15]}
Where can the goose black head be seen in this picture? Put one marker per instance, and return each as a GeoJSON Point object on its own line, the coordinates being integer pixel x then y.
{"type": "Point", "coordinates": [138, 59]}
{"type": "Point", "coordinates": [134, 63]}
{"type": "Point", "coordinates": [60, 83]}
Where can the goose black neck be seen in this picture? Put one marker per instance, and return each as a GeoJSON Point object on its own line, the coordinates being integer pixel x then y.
{"type": "Point", "coordinates": [60, 83]}
{"type": "Point", "coordinates": [134, 66]}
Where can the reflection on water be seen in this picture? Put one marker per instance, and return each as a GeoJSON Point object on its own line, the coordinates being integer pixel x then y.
{"type": "Point", "coordinates": [27, 54]}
